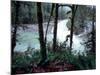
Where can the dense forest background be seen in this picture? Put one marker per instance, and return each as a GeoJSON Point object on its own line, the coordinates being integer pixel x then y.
{"type": "Point", "coordinates": [44, 21]}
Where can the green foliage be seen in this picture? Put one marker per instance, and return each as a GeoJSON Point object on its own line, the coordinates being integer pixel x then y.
{"type": "Point", "coordinates": [20, 61]}
{"type": "Point", "coordinates": [81, 62]}
{"type": "Point", "coordinates": [36, 57]}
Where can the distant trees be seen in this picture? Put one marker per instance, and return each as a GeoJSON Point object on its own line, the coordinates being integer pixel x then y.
{"type": "Point", "coordinates": [90, 26]}
{"type": "Point", "coordinates": [26, 14]}
{"type": "Point", "coordinates": [41, 34]}
{"type": "Point", "coordinates": [91, 37]}
{"type": "Point", "coordinates": [82, 17]}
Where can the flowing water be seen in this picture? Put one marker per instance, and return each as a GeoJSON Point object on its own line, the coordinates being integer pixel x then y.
{"type": "Point", "coordinates": [31, 38]}
{"type": "Point", "coordinates": [63, 32]}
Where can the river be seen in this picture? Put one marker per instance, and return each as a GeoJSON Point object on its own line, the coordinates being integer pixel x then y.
{"type": "Point", "coordinates": [30, 38]}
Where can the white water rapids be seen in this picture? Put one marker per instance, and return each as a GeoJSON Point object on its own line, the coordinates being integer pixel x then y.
{"type": "Point", "coordinates": [63, 32]}
{"type": "Point", "coordinates": [31, 39]}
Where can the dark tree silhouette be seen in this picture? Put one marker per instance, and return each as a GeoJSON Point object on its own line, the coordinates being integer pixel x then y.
{"type": "Point", "coordinates": [52, 9]}
{"type": "Point", "coordinates": [93, 33]}
{"type": "Point", "coordinates": [55, 28]}
{"type": "Point", "coordinates": [14, 34]}
{"type": "Point", "coordinates": [74, 8]}
{"type": "Point", "coordinates": [41, 34]}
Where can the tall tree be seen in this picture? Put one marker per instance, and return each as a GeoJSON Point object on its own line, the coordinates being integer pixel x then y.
{"type": "Point", "coordinates": [51, 14]}
{"type": "Point", "coordinates": [14, 34]}
{"type": "Point", "coordinates": [93, 32]}
{"type": "Point", "coordinates": [55, 28]}
{"type": "Point", "coordinates": [41, 34]}
{"type": "Point", "coordinates": [73, 8]}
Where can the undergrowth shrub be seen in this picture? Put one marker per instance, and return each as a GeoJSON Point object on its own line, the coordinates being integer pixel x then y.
{"type": "Point", "coordinates": [81, 62]}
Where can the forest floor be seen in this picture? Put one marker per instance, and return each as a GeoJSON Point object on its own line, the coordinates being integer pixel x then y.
{"type": "Point", "coordinates": [58, 61]}
{"type": "Point", "coordinates": [52, 67]}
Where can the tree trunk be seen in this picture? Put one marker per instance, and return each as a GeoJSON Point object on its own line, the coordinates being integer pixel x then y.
{"type": "Point", "coordinates": [30, 18]}
{"type": "Point", "coordinates": [55, 28]}
{"type": "Point", "coordinates": [13, 42]}
{"type": "Point", "coordinates": [72, 24]}
{"type": "Point", "coordinates": [74, 8]}
{"type": "Point", "coordinates": [93, 33]}
{"type": "Point", "coordinates": [41, 34]}
{"type": "Point", "coordinates": [53, 5]}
